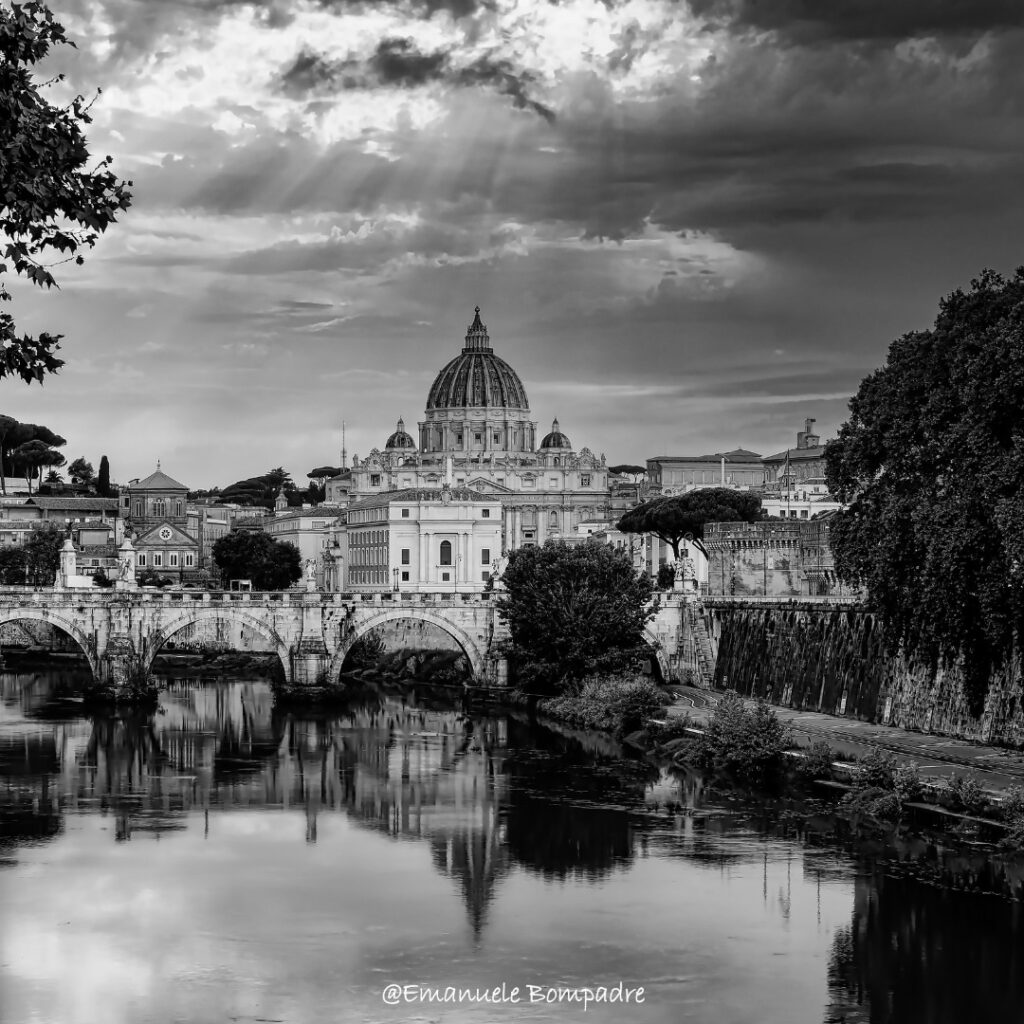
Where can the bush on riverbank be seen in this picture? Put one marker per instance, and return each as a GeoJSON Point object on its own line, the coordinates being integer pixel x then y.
{"type": "Point", "coordinates": [619, 703]}
{"type": "Point", "coordinates": [816, 763]}
{"type": "Point", "coordinates": [749, 743]}
{"type": "Point", "coordinates": [881, 787]}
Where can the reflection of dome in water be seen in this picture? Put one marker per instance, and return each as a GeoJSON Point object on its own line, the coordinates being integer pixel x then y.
{"type": "Point", "coordinates": [477, 378]}
{"type": "Point", "coordinates": [400, 440]}
{"type": "Point", "coordinates": [556, 439]}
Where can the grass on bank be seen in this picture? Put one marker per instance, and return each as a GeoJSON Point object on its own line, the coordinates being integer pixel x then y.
{"type": "Point", "coordinates": [617, 703]}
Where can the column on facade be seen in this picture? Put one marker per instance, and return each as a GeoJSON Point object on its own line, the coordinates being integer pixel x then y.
{"type": "Point", "coordinates": [542, 526]}
{"type": "Point", "coordinates": [424, 556]}
{"type": "Point", "coordinates": [468, 567]}
{"type": "Point", "coordinates": [517, 528]}
{"type": "Point", "coordinates": [507, 538]}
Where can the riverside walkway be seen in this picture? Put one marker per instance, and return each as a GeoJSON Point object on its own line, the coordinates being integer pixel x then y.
{"type": "Point", "coordinates": [937, 757]}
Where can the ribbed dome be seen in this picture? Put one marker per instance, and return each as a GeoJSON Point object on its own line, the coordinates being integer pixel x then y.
{"type": "Point", "coordinates": [400, 439]}
{"type": "Point", "coordinates": [477, 378]}
{"type": "Point", "coordinates": [556, 439]}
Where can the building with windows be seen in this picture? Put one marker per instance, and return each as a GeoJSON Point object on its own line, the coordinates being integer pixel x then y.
{"type": "Point", "coordinates": [420, 539]}
{"type": "Point", "coordinates": [798, 469]}
{"type": "Point", "coordinates": [677, 474]}
{"type": "Point", "coordinates": [308, 529]}
{"type": "Point", "coordinates": [157, 500]}
{"type": "Point", "coordinates": [155, 512]}
{"type": "Point", "coordinates": [477, 431]}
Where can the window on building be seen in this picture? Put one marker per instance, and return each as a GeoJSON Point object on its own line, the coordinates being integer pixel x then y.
{"type": "Point", "coordinates": [485, 513]}
{"type": "Point", "coordinates": [803, 513]}
{"type": "Point", "coordinates": [485, 576]}
{"type": "Point", "coordinates": [142, 559]}
{"type": "Point", "coordinates": [553, 483]}
{"type": "Point", "coordinates": [158, 559]}
{"type": "Point", "coordinates": [138, 508]}
{"type": "Point", "coordinates": [528, 535]}
{"type": "Point", "coordinates": [172, 558]}
{"type": "Point", "coordinates": [405, 513]}
{"type": "Point", "coordinates": [485, 556]}
{"type": "Point", "coordinates": [477, 437]}
{"type": "Point", "coordinates": [375, 479]}
{"type": "Point", "coordinates": [159, 506]}
{"type": "Point", "coordinates": [446, 552]}
{"type": "Point", "coordinates": [190, 560]}
{"type": "Point", "coordinates": [405, 556]}
{"type": "Point", "coordinates": [585, 480]}
{"type": "Point", "coordinates": [405, 577]}
{"type": "Point", "coordinates": [497, 437]}
{"type": "Point", "coordinates": [445, 577]}
{"type": "Point", "coordinates": [177, 508]}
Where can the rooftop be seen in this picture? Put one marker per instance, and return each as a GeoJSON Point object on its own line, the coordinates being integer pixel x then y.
{"type": "Point", "coordinates": [797, 454]}
{"type": "Point", "coordinates": [736, 455]}
{"type": "Point", "coordinates": [158, 481]}
{"type": "Point", "coordinates": [74, 504]}
{"type": "Point", "coordinates": [316, 512]}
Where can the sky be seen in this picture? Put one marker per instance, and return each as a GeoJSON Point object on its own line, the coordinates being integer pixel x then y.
{"type": "Point", "coordinates": [689, 224]}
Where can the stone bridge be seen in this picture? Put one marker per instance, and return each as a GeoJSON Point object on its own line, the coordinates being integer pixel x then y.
{"type": "Point", "coordinates": [311, 632]}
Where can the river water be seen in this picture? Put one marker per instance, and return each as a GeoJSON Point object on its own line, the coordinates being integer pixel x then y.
{"type": "Point", "coordinates": [223, 862]}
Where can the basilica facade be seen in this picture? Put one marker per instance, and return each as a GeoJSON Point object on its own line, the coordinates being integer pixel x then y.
{"type": "Point", "coordinates": [478, 433]}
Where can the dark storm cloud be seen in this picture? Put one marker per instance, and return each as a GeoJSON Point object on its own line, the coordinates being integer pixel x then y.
{"type": "Point", "coordinates": [397, 62]}
{"type": "Point", "coordinates": [808, 21]}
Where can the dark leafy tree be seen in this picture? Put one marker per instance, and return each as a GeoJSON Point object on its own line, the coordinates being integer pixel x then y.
{"type": "Point", "coordinates": [149, 577]}
{"type": "Point", "coordinates": [52, 204]}
{"type": "Point", "coordinates": [323, 472]}
{"type": "Point", "coordinates": [261, 490]}
{"type": "Point", "coordinates": [33, 456]}
{"type": "Point", "coordinates": [12, 566]}
{"type": "Point", "coordinates": [666, 577]}
{"type": "Point", "coordinates": [103, 480]}
{"type": "Point", "coordinates": [42, 554]}
{"type": "Point", "coordinates": [18, 435]}
{"type": "Point", "coordinates": [270, 564]}
{"type": "Point", "coordinates": [81, 472]}
{"type": "Point", "coordinates": [673, 518]}
{"type": "Point", "coordinates": [7, 425]}
{"type": "Point", "coordinates": [573, 610]}
{"type": "Point", "coordinates": [931, 464]}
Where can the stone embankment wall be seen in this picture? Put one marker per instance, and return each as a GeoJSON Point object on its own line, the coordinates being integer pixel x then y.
{"type": "Point", "coordinates": [834, 659]}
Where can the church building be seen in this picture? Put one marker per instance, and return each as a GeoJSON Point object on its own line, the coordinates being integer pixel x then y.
{"type": "Point", "coordinates": [478, 416]}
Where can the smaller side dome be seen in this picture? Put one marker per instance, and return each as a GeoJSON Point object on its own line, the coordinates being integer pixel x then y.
{"type": "Point", "coordinates": [556, 439]}
{"type": "Point", "coordinates": [399, 440]}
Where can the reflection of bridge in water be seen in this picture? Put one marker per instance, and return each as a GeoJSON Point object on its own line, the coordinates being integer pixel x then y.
{"type": "Point", "coordinates": [400, 770]}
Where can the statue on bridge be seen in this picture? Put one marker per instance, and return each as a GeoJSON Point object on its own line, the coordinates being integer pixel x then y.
{"type": "Point", "coordinates": [686, 574]}
{"type": "Point", "coordinates": [310, 573]}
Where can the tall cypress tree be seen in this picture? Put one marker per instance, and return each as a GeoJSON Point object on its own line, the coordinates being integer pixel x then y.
{"type": "Point", "coordinates": [103, 481]}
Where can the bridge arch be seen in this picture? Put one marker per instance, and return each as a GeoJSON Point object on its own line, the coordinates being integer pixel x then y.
{"type": "Point", "coordinates": [361, 627]}
{"type": "Point", "coordinates": [658, 653]}
{"type": "Point", "coordinates": [51, 618]}
{"type": "Point", "coordinates": [195, 616]}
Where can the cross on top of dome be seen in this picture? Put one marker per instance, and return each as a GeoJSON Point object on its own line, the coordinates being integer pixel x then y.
{"type": "Point", "coordinates": [476, 336]}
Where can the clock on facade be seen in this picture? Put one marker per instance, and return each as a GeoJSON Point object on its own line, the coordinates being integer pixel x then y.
{"type": "Point", "coordinates": [165, 533]}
